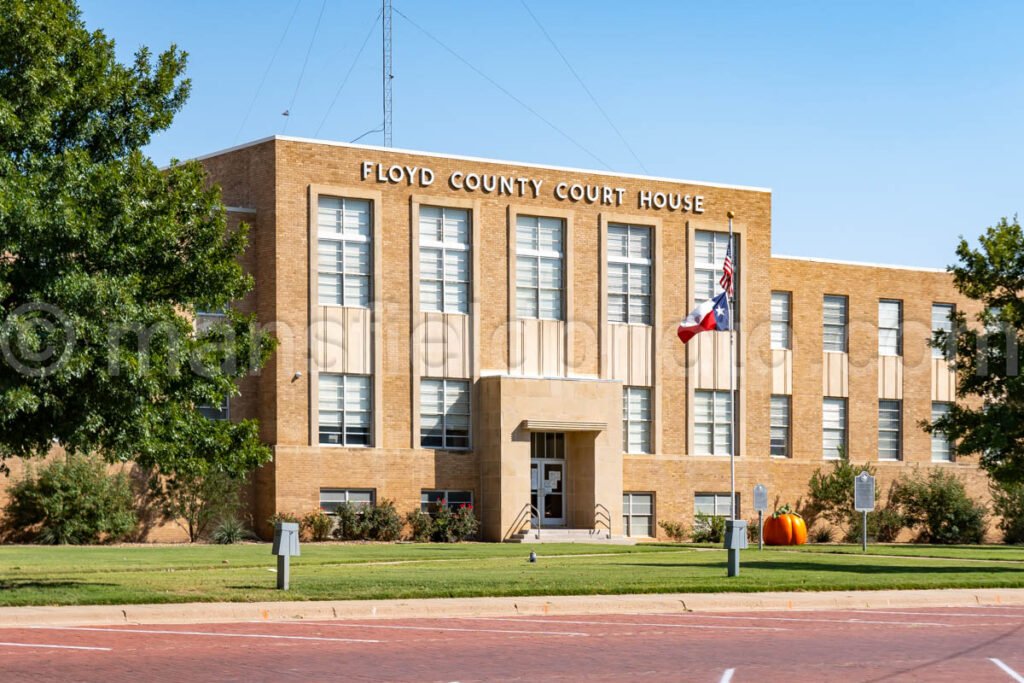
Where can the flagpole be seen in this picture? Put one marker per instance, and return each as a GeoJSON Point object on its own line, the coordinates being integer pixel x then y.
{"type": "Point", "coordinates": [732, 379]}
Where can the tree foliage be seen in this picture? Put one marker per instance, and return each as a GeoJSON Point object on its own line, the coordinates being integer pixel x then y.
{"type": "Point", "coordinates": [196, 497]}
{"type": "Point", "coordinates": [987, 360]}
{"type": "Point", "coordinates": [106, 258]}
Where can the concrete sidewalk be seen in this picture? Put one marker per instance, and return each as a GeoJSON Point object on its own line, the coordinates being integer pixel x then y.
{"type": "Point", "coordinates": [185, 613]}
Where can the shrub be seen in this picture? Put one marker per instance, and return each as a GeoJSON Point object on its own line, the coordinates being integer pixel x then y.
{"type": "Point", "coordinates": [282, 517]}
{"type": "Point", "coordinates": [420, 526]}
{"type": "Point", "coordinates": [884, 524]}
{"type": "Point", "coordinates": [708, 528]}
{"type": "Point", "coordinates": [822, 533]}
{"type": "Point", "coordinates": [71, 500]}
{"type": "Point", "coordinates": [938, 506]}
{"type": "Point", "coordinates": [830, 495]}
{"type": "Point", "coordinates": [753, 531]}
{"type": "Point", "coordinates": [1008, 503]}
{"type": "Point", "coordinates": [442, 530]}
{"type": "Point", "coordinates": [464, 524]}
{"type": "Point", "coordinates": [230, 530]}
{"type": "Point", "coordinates": [348, 522]}
{"type": "Point", "coordinates": [317, 525]}
{"type": "Point", "coordinates": [677, 531]}
{"type": "Point", "coordinates": [381, 522]}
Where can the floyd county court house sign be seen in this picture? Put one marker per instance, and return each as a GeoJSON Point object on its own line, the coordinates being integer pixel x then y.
{"type": "Point", "coordinates": [519, 186]}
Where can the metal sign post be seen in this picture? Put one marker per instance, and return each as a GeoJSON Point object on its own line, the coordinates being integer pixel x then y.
{"type": "Point", "coordinates": [864, 502]}
{"type": "Point", "coordinates": [761, 505]}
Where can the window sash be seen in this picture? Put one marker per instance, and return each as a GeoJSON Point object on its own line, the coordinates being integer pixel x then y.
{"type": "Point", "coordinates": [834, 323]}
{"type": "Point", "coordinates": [332, 499]}
{"type": "Point", "coordinates": [709, 253]}
{"type": "Point", "coordinates": [714, 504]}
{"type": "Point", "coordinates": [942, 450]}
{"type": "Point", "coordinates": [445, 406]}
{"type": "Point", "coordinates": [712, 423]}
{"type": "Point", "coordinates": [540, 267]}
{"type": "Point", "coordinates": [941, 314]}
{"type": "Point", "coordinates": [833, 427]}
{"type": "Point", "coordinates": [636, 420]}
{"type": "Point", "coordinates": [454, 499]}
{"type": "Point", "coordinates": [780, 314]}
{"type": "Point", "coordinates": [638, 514]}
{"type": "Point", "coordinates": [343, 252]}
{"type": "Point", "coordinates": [444, 259]}
{"type": "Point", "coordinates": [779, 426]}
{"type": "Point", "coordinates": [629, 274]}
{"type": "Point", "coordinates": [889, 328]}
{"type": "Point", "coordinates": [345, 409]}
{"type": "Point", "coordinates": [889, 430]}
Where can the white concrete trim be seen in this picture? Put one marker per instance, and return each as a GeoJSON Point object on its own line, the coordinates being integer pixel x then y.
{"type": "Point", "coordinates": [459, 157]}
{"type": "Point", "coordinates": [839, 262]}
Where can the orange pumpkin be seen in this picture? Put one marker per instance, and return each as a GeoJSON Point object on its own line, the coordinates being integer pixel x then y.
{"type": "Point", "coordinates": [785, 528]}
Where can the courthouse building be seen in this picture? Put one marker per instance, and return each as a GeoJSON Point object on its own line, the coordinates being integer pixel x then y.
{"type": "Point", "coordinates": [504, 335]}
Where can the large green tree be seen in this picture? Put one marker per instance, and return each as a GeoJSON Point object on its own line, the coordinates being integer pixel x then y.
{"type": "Point", "coordinates": [105, 259]}
{"type": "Point", "coordinates": [990, 422]}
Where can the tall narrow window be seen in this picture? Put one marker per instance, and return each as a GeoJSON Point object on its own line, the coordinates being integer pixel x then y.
{"type": "Point", "coordinates": [444, 413]}
{"type": "Point", "coordinates": [942, 315]}
{"type": "Point", "coordinates": [638, 514]}
{"type": "Point", "coordinates": [780, 426]}
{"type": "Point", "coordinates": [540, 262]}
{"type": "Point", "coordinates": [629, 274]}
{"type": "Point", "coordinates": [781, 320]}
{"type": "Point", "coordinates": [709, 253]}
{"type": "Point", "coordinates": [890, 424]}
{"type": "Point", "coordinates": [941, 451]}
{"type": "Point", "coordinates": [343, 252]}
{"type": "Point", "coordinates": [712, 423]}
{"type": "Point", "coordinates": [636, 419]}
{"type": "Point", "coordinates": [833, 427]}
{"type": "Point", "coordinates": [890, 328]}
{"type": "Point", "coordinates": [444, 259]}
{"type": "Point", "coordinates": [834, 323]}
{"type": "Point", "coordinates": [345, 409]}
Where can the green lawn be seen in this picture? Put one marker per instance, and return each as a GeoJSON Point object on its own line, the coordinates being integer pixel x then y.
{"type": "Point", "coordinates": [33, 575]}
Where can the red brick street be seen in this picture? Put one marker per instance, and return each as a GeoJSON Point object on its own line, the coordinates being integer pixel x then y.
{"type": "Point", "coordinates": [914, 644]}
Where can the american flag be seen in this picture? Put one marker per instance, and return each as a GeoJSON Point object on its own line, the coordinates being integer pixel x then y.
{"type": "Point", "coordinates": [726, 279]}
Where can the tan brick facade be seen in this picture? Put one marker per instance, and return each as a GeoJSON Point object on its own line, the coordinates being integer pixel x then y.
{"type": "Point", "coordinates": [568, 373]}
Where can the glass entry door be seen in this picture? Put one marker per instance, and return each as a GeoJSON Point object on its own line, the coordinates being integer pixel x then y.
{"type": "Point", "coordinates": [547, 477]}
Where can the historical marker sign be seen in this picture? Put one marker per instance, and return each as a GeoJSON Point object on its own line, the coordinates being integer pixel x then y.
{"type": "Point", "coordinates": [864, 493]}
{"type": "Point", "coordinates": [760, 498]}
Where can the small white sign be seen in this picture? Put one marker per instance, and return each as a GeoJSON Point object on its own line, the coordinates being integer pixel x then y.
{"type": "Point", "coordinates": [554, 476]}
{"type": "Point", "coordinates": [760, 498]}
{"type": "Point", "coordinates": [534, 478]}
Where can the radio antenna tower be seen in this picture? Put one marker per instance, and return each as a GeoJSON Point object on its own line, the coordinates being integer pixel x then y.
{"type": "Point", "coordinates": [388, 75]}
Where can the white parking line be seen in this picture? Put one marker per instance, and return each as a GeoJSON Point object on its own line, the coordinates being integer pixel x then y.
{"type": "Point", "coordinates": [56, 647]}
{"type": "Point", "coordinates": [939, 614]}
{"type": "Point", "coordinates": [1009, 672]}
{"type": "Point", "coordinates": [727, 675]}
{"type": "Point", "coordinates": [199, 633]}
{"type": "Point", "coordinates": [697, 615]}
{"type": "Point", "coordinates": [444, 628]}
{"type": "Point", "coordinates": [633, 623]}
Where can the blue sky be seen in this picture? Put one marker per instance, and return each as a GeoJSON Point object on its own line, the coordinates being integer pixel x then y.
{"type": "Point", "coordinates": [885, 129]}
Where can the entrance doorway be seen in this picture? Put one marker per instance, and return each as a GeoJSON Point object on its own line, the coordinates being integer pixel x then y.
{"type": "Point", "coordinates": [547, 476]}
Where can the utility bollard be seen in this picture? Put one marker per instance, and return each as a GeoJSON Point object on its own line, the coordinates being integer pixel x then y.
{"type": "Point", "coordinates": [285, 546]}
{"type": "Point", "coordinates": [735, 541]}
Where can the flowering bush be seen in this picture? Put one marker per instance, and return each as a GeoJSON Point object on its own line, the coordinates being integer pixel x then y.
{"type": "Point", "coordinates": [316, 525]}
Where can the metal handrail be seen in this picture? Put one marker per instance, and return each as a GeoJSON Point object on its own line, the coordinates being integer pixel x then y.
{"type": "Point", "coordinates": [602, 516]}
{"type": "Point", "coordinates": [529, 511]}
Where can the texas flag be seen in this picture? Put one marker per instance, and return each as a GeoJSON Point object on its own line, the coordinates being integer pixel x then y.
{"type": "Point", "coordinates": [713, 314]}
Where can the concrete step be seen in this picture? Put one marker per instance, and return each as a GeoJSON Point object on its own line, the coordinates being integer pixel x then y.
{"type": "Point", "coordinates": [559, 535]}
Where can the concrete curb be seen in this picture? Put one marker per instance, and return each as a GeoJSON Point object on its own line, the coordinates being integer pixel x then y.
{"type": "Point", "coordinates": [186, 613]}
